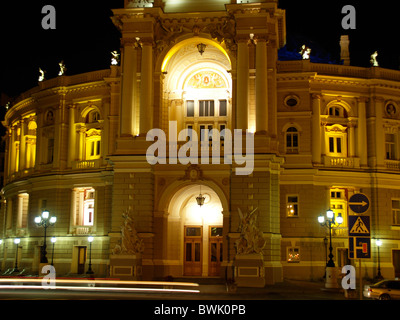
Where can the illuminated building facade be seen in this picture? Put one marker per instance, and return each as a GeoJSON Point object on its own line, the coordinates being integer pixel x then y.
{"type": "Point", "coordinates": [76, 146]}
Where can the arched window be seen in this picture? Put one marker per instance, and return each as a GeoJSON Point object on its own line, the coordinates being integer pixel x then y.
{"type": "Point", "coordinates": [337, 111]}
{"type": "Point", "coordinates": [292, 140]}
{"type": "Point", "coordinates": [93, 116]}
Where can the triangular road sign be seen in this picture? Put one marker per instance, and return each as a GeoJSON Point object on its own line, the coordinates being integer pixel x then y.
{"type": "Point", "coordinates": [359, 227]}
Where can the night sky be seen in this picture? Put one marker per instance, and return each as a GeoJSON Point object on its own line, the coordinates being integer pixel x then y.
{"type": "Point", "coordinates": [85, 36]}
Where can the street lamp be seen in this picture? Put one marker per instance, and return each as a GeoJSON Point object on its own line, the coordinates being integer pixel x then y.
{"type": "Point", "coordinates": [90, 271]}
{"type": "Point", "coordinates": [53, 241]}
{"type": "Point", "coordinates": [328, 222]}
{"type": "Point", "coordinates": [379, 275]}
{"type": "Point", "coordinates": [16, 241]}
{"type": "Point", "coordinates": [330, 270]}
{"type": "Point", "coordinates": [45, 221]}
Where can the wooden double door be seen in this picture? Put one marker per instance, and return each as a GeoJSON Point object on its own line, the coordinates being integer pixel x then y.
{"type": "Point", "coordinates": [193, 251]}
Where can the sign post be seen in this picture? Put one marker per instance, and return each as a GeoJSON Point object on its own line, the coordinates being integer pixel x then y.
{"type": "Point", "coordinates": [359, 230]}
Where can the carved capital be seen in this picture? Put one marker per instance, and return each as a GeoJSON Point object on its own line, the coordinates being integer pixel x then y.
{"type": "Point", "coordinates": [362, 99]}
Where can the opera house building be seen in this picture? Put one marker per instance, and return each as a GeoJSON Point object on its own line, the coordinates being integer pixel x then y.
{"type": "Point", "coordinates": [296, 139]}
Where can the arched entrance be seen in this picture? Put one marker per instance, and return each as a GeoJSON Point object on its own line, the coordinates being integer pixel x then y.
{"type": "Point", "coordinates": [194, 232]}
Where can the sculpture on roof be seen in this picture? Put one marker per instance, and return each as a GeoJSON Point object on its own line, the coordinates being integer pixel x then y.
{"type": "Point", "coordinates": [41, 76]}
{"type": "Point", "coordinates": [114, 58]}
{"type": "Point", "coordinates": [374, 61]}
{"type": "Point", "coordinates": [62, 68]}
{"type": "Point", "coordinates": [305, 52]}
{"type": "Point", "coordinates": [139, 3]}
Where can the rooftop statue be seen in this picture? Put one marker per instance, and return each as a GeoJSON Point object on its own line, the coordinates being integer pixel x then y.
{"type": "Point", "coordinates": [62, 68]}
{"type": "Point", "coordinates": [130, 241]}
{"type": "Point", "coordinates": [374, 61]}
{"type": "Point", "coordinates": [139, 3]}
{"type": "Point", "coordinates": [114, 58]}
{"type": "Point", "coordinates": [305, 52]}
{"type": "Point", "coordinates": [251, 239]}
{"type": "Point", "coordinates": [41, 77]}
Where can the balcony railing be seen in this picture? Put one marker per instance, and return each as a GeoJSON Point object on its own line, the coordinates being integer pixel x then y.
{"type": "Point", "coordinates": [81, 230]}
{"type": "Point", "coordinates": [341, 162]}
{"type": "Point", "coordinates": [392, 164]}
{"type": "Point", "coordinates": [86, 164]}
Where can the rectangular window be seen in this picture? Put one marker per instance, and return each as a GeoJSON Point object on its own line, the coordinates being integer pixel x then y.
{"type": "Point", "coordinates": [83, 206]}
{"type": "Point", "coordinates": [339, 145]}
{"type": "Point", "coordinates": [390, 146]}
{"type": "Point", "coordinates": [202, 132]}
{"type": "Point", "coordinates": [292, 206]}
{"type": "Point", "coordinates": [9, 213]}
{"type": "Point", "coordinates": [189, 132]}
{"type": "Point", "coordinates": [190, 108]}
{"type": "Point", "coordinates": [293, 254]}
{"type": "Point", "coordinates": [50, 150]}
{"type": "Point", "coordinates": [338, 204]}
{"type": "Point", "coordinates": [222, 127]}
{"type": "Point", "coordinates": [206, 108]}
{"type": "Point", "coordinates": [396, 212]}
{"type": "Point", "coordinates": [23, 200]}
{"type": "Point", "coordinates": [222, 108]}
{"type": "Point", "coordinates": [331, 144]}
{"type": "Point", "coordinates": [336, 145]}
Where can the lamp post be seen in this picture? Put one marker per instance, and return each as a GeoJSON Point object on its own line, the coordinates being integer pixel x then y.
{"type": "Point", "coordinates": [90, 271]}
{"type": "Point", "coordinates": [379, 275]}
{"type": "Point", "coordinates": [53, 241]}
{"type": "Point", "coordinates": [16, 241]}
{"type": "Point", "coordinates": [45, 221]}
{"type": "Point", "coordinates": [328, 221]}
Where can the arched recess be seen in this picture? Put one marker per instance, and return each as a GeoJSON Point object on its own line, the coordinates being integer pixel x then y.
{"type": "Point", "coordinates": [211, 101]}
{"type": "Point", "coordinates": [194, 236]}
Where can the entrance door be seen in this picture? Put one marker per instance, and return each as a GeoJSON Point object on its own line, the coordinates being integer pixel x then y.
{"type": "Point", "coordinates": [81, 259]}
{"type": "Point", "coordinates": [396, 262]}
{"type": "Point", "coordinates": [215, 251]}
{"type": "Point", "coordinates": [193, 251]}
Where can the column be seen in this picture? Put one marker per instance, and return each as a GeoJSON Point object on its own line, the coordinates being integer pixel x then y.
{"type": "Point", "coordinates": [72, 136]}
{"type": "Point", "coordinates": [261, 87]}
{"type": "Point", "coordinates": [146, 89]}
{"type": "Point", "coordinates": [316, 128]}
{"type": "Point", "coordinates": [242, 85]}
{"type": "Point", "coordinates": [82, 137]}
{"type": "Point", "coordinates": [129, 81]}
{"type": "Point", "coordinates": [362, 132]}
{"type": "Point", "coordinates": [379, 132]}
{"type": "Point", "coordinates": [22, 146]}
{"type": "Point", "coordinates": [351, 126]}
{"type": "Point", "coordinates": [179, 111]}
{"type": "Point", "coordinates": [12, 151]}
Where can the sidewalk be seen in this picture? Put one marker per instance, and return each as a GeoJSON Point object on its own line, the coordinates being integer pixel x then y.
{"type": "Point", "coordinates": [288, 289]}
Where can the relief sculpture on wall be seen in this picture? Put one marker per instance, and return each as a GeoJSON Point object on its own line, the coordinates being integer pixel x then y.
{"type": "Point", "coordinates": [130, 241]}
{"type": "Point", "coordinates": [250, 240]}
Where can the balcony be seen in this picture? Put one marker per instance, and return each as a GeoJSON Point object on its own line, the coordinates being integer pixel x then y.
{"type": "Point", "coordinates": [392, 165]}
{"type": "Point", "coordinates": [341, 162]}
{"type": "Point", "coordinates": [86, 164]}
{"type": "Point", "coordinates": [81, 230]}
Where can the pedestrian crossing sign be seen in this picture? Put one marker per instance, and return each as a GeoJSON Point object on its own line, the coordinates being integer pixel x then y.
{"type": "Point", "coordinates": [359, 226]}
